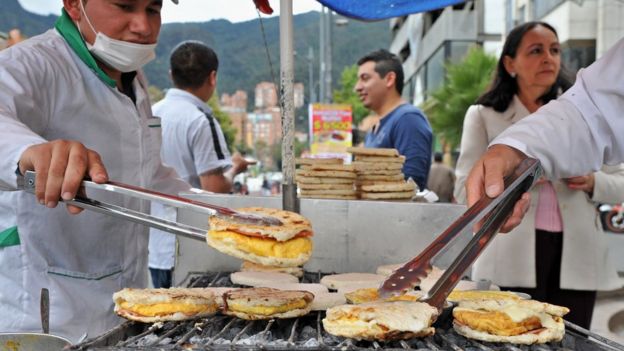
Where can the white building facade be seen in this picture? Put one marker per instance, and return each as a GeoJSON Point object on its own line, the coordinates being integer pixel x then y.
{"type": "Point", "coordinates": [426, 41]}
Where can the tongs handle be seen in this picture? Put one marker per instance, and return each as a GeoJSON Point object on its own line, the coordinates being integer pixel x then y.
{"type": "Point", "coordinates": [517, 184]}
{"type": "Point", "coordinates": [412, 272]}
{"type": "Point", "coordinates": [27, 183]}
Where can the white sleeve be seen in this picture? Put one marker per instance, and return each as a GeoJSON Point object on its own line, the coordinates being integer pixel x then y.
{"type": "Point", "coordinates": [19, 100]}
{"type": "Point", "coordinates": [582, 130]}
{"type": "Point", "coordinates": [210, 151]}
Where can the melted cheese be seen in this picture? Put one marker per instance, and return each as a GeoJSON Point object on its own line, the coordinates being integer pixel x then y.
{"type": "Point", "coordinates": [462, 295]}
{"type": "Point", "coordinates": [162, 309]}
{"type": "Point", "coordinates": [266, 310]}
{"type": "Point", "coordinates": [519, 314]}
{"type": "Point", "coordinates": [365, 295]}
{"type": "Point", "coordinates": [292, 248]}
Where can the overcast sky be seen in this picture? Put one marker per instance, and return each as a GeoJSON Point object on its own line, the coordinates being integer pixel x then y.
{"type": "Point", "coordinates": [191, 10]}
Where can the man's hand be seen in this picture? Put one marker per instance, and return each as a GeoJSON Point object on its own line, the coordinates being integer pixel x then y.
{"type": "Point", "coordinates": [239, 164]}
{"type": "Point", "coordinates": [486, 178]}
{"type": "Point", "coordinates": [584, 183]}
{"type": "Point", "coordinates": [61, 166]}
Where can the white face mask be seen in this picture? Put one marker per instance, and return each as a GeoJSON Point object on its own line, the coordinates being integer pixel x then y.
{"type": "Point", "coordinates": [120, 55]}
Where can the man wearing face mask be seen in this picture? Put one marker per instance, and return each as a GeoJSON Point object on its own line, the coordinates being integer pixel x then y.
{"type": "Point", "coordinates": [74, 103]}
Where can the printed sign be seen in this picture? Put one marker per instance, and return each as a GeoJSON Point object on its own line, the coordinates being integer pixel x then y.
{"type": "Point", "coordinates": [330, 130]}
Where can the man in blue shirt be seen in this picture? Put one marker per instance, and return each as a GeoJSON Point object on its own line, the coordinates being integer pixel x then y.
{"type": "Point", "coordinates": [402, 125]}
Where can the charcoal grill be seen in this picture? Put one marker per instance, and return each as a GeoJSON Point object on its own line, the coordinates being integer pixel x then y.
{"type": "Point", "coordinates": [301, 334]}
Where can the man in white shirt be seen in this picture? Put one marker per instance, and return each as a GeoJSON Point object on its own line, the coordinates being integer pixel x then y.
{"type": "Point", "coordinates": [74, 103]}
{"type": "Point", "coordinates": [192, 141]}
{"type": "Point", "coordinates": [571, 136]}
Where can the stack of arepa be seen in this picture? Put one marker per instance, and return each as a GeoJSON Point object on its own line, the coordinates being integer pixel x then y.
{"type": "Point", "coordinates": [379, 175]}
{"type": "Point", "coordinates": [326, 178]}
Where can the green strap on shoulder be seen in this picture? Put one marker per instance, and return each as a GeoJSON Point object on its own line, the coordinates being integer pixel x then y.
{"type": "Point", "coordinates": [9, 237]}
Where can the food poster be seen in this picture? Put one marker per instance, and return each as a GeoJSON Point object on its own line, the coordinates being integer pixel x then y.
{"type": "Point", "coordinates": [330, 130]}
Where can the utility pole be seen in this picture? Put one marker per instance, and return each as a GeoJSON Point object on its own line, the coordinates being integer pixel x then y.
{"type": "Point", "coordinates": [287, 109]}
{"type": "Point", "coordinates": [312, 93]}
{"type": "Point", "coordinates": [322, 55]}
{"type": "Point", "coordinates": [328, 59]}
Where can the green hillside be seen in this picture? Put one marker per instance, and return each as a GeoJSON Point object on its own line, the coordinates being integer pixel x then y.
{"type": "Point", "coordinates": [240, 46]}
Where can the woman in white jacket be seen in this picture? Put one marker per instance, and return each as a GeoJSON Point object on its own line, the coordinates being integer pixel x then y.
{"type": "Point", "coordinates": [558, 253]}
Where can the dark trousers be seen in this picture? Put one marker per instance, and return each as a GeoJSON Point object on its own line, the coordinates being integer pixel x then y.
{"type": "Point", "coordinates": [548, 248]}
{"type": "Point", "coordinates": [161, 278]}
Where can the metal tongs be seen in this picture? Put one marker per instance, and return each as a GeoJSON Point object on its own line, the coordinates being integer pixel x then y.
{"type": "Point", "coordinates": [494, 212]}
{"type": "Point", "coordinates": [27, 183]}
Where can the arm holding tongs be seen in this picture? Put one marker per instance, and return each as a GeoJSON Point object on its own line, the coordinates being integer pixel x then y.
{"type": "Point", "coordinates": [494, 211]}
{"type": "Point", "coordinates": [27, 183]}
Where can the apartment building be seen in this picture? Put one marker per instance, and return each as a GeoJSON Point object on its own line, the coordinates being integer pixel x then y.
{"type": "Point", "coordinates": [426, 41]}
{"type": "Point", "coordinates": [586, 28]}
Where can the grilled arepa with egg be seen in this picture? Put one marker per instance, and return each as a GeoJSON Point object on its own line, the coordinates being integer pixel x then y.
{"type": "Point", "coordinates": [159, 305]}
{"type": "Point", "coordinates": [513, 321]}
{"type": "Point", "coordinates": [287, 245]}
{"type": "Point", "coordinates": [267, 303]}
{"type": "Point", "coordinates": [382, 321]}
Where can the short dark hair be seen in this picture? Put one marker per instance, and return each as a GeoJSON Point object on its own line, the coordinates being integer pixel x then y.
{"type": "Point", "coordinates": [191, 63]}
{"type": "Point", "coordinates": [504, 87]}
{"type": "Point", "coordinates": [437, 157]}
{"type": "Point", "coordinates": [385, 62]}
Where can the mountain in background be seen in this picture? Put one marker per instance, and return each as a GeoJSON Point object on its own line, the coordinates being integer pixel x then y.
{"type": "Point", "coordinates": [240, 46]}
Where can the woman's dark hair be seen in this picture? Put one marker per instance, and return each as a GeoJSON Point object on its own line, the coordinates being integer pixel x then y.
{"type": "Point", "coordinates": [504, 87]}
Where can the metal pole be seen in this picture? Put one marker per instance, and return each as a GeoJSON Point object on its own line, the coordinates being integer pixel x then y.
{"type": "Point", "coordinates": [287, 106]}
{"type": "Point", "coordinates": [322, 56]}
{"type": "Point", "coordinates": [328, 52]}
{"type": "Point", "coordinates": [311, 89]}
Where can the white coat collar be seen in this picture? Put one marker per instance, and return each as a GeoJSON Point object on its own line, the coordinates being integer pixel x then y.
{"type": "Point", "coordinates": [516, 110]}
{"type": "Point", "coordinates": [175, 93]}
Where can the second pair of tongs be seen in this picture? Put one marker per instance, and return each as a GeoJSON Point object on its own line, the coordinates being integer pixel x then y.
{"type": "Point", "coordinates": [27, 183]}
{"type": "Point", "coordinates": [493, 212]}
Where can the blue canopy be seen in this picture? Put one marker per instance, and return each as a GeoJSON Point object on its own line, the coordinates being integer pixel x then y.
{"type": "Point", "coordinates": [382, 9]}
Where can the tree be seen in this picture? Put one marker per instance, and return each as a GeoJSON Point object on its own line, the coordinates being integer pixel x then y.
{"type": "Point", "coordinates": [346, 94]}
{"type": "Point", "coordinates": [465, 81]}
{"type": "Point", "coordinates": [229, 131]}
{"type": "Point", "coordinates": [276, 151]}
{"type": "Point", "coordinates": [155, 94]}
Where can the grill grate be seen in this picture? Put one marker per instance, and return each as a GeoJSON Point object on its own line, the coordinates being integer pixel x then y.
{"type": "Point", "coordinates": [301, 334]}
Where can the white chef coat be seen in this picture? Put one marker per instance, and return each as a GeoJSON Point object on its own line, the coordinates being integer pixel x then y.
{"type": "Point", "coordinates": [51, 88]}
{"type": "Point", "coordinates": [584, 128]}
{"type": "Point", "coordinates": [192, 143]}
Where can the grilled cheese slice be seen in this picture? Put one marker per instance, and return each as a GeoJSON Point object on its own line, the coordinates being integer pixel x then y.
{"type": "Point", "coordinates": [464, 295]}
{"type": "Point", "coordinates": [267, 303]}
{"type": "Point", "coordinates": [156, 305]}
{"type": "Point", "coordinates": [267, 310]}
{"type": "Point", "coordinates": [262, 250]}
{"type": "Point", "coordinates": [264, 246]}
{"type": "Point", "coordinates": [365, 295]}
{"type": "Point", "coordinates": [162, 309]}
{"type": "Point", "coordinates": [381, 320]}
{"type": "Point", "coordinates": [516, 321]}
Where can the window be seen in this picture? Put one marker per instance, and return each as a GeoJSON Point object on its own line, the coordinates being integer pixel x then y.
{"type": "Point", "coordinates": [435, 70]}
{"type": "Point", "coordinates": [542, 7]}
{"type": "Point", "coordinates": [577, 54]}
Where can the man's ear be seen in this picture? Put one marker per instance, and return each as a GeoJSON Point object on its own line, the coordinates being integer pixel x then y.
{"type": "Point", "coordinates": [213, 78]}
{"type": "Point", "coordinates": [390, 79]}
{"type": "Point", "coordinates": [72, 7]}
